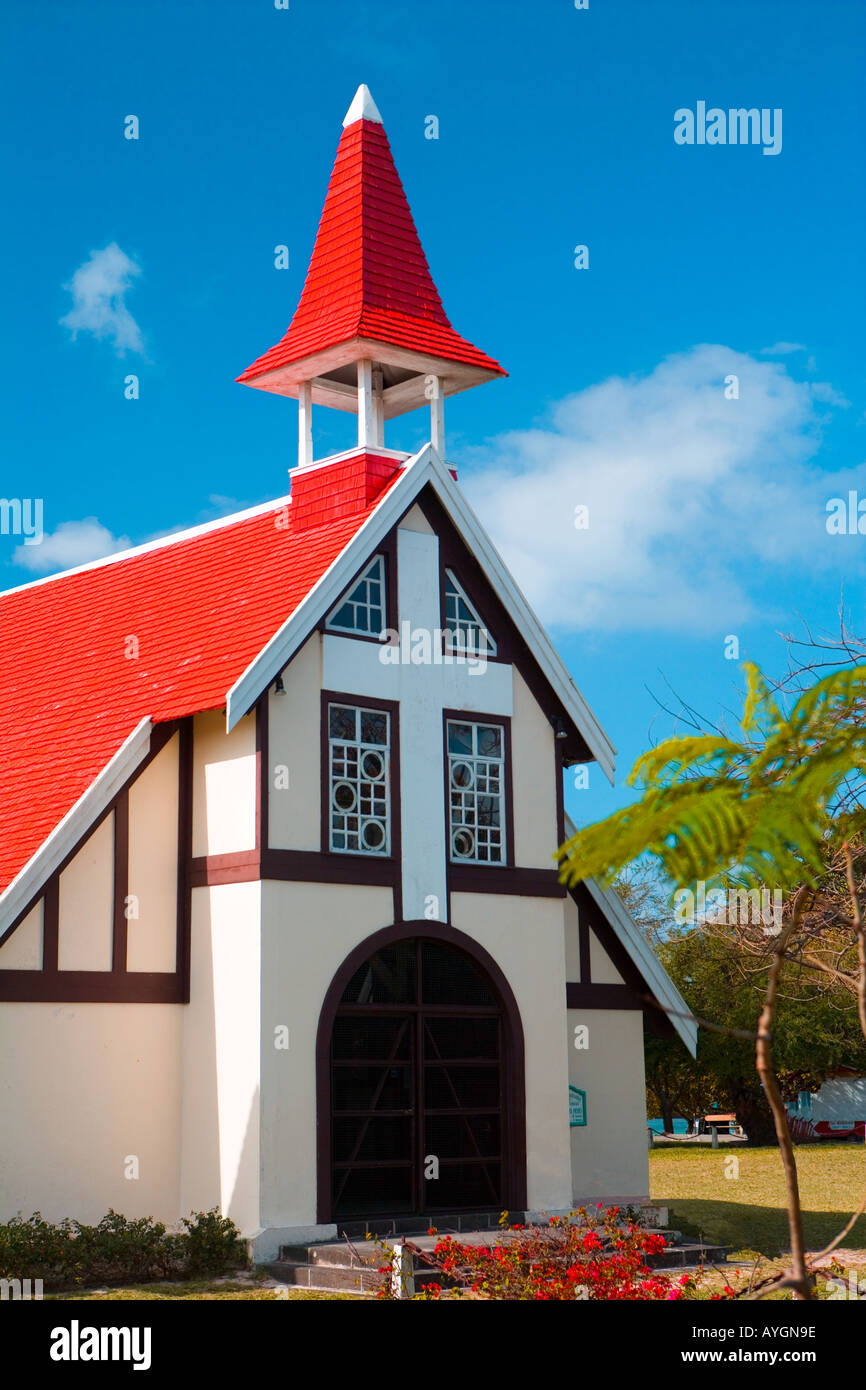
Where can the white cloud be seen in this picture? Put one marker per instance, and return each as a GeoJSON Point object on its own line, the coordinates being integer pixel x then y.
{"type": "Point", "coordinates": [782, 349]}
{"type": "Point", "coordinates": [73, 543]}
{"type": "Point", "coordinates": [824, 391]}
{"type": "Point", "coordinates": [693, 498]}
{"type": "Point", "coordinates": [98, 290]}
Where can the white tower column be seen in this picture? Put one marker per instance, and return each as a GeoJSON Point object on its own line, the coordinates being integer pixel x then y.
{"type": "Point", "coordinates": [433, 391]}
{"type": "Point", "coordinates": [378, 407]}
{"type": "Point", "coordinates": [366, 426]}
{"type": "Point", "coordinates": [305, 423]}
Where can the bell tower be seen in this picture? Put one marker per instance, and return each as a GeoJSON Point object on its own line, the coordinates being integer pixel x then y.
{"type": "Point", "coordinates": [369, 335]}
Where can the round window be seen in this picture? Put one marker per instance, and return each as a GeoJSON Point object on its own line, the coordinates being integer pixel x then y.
{"type": "Point", "coordinates": [463, 843]}
{"type": "Point", "coordinates": [373, 766]}
{"type": "Point", "coordinates": [372, 834]}
{"type": "Point", "coordinates": [462, 774]}
{"type": "Point", "coordinates": [344, 796]}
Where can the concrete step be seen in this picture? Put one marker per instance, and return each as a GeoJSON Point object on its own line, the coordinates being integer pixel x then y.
{"type": "Point", "coordinates": [420, 1225]}
{"type": "Point", "coordinates": [334, 1265]}
{"type": "Point", "coordinates": [311, 1276]}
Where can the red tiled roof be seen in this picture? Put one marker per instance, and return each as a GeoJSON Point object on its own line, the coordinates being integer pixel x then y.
{"type": "Point", "coordinates": [368, 276]}
{"type": "Point", "coordinates": [200, 609]}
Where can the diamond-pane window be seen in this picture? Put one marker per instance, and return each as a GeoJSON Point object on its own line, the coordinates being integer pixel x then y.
{"type": "Point", "coordinates": [358, 780]}
{"type": "Point", "coordinates": [464, 630]}
{"type": "Point", "coordinates": [476, 792]}
{"type": "Point", "coordinates": [362, 607]}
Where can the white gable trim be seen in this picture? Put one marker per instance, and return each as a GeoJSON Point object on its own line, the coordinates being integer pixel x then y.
{"type": "Point", "coordinates": [74, 825]}
{"type": "Point", "coordinates": [426, 467]}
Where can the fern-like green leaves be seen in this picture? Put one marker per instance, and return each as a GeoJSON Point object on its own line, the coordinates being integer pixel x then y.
{"type": "Point", "coordinates": [756, 812]}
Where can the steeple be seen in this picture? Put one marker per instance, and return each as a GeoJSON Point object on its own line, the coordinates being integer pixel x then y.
{"type": "Point", "coordinates": [369, 335]}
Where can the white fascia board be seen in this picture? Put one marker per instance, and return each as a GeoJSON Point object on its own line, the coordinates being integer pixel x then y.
{"type": "Point", "coordinates": [74, 826]}
{"type": "Point", "coordinates": [426, 467]}
{"type": "Point", "coordinates": [660, 983]}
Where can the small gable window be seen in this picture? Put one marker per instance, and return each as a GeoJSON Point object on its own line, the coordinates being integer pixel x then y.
{"type": "Point", "coordinates": [362, 608]}
{"type": "Point", "coordinates": [476, 792]}
{"type": "Point", "coordinates": [359, 743]}
{"type": "Point", "coordinates": [464, 629]}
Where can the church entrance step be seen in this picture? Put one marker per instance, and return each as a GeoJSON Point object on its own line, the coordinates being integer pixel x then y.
{"type": "Point", "coordinates": [336, 1265]}
{"type": "Point", "coordinates": [441, 1221]}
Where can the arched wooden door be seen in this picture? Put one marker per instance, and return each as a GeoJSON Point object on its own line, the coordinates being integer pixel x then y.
{"type": "Point", "coordinates": [421, 1083]}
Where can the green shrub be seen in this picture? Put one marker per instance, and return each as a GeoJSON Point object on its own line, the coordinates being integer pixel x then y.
{"type": "Point", "coordinates": [71, 1254]}
{"type": "Point", "coordinates": [212, 1244]}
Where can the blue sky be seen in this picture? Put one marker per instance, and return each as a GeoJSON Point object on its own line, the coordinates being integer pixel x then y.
{"type": "Point", "coordinates": [707, 515]}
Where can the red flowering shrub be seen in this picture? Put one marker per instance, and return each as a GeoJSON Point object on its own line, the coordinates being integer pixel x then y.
{"type": "Point", "coordinates": [584, 1256]}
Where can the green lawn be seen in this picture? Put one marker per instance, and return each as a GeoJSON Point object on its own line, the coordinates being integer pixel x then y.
{"type": "Point", "coordinates": [196, 1289]}
{"type": "Point", "coordinates": [747, 1212]}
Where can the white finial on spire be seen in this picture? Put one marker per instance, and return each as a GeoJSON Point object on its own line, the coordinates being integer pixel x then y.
{"type": "Point", "coordinates": [363, 108]}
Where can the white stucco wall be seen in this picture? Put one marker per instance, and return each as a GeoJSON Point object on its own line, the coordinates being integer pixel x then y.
{"type": "Point", "coordinates": [86, 931]}
{"type": "Point", "coordinates": [151, 934]}
{"type": "Point", "coordinates": [609, 1154]}
{"type": "Point", "coordinates": [602, 968]}
{"type": "Point", "coordinates": [90, 1086]}
{"type": "Point", "coordinates": [223, 784]}
{"type": "Point", "coordinates": [534, 778]}
{"type": "Point", "coordinates": [293, 744]}
{"type": "Point", "coordinates": [221, 1055]}
{"type": "Point", "coordinates": [23, 949]}
{"type": "Point", "coordinates": [525, 938]}
{"type": "Point", "coordinates": [572, 942]}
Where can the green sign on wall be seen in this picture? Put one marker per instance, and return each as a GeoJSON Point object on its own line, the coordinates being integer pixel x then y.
{"type": "Point", "coordinates": [576, 1107]}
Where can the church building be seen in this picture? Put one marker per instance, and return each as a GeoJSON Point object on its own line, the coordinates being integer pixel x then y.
{"type": "Point", "coordinates": [281, 929]}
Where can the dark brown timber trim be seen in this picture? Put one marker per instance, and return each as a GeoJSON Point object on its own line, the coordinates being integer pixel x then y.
{"type": "Point", "coordinates": [121, 883]}
{"type": "Point", "coordinates": [184, 855]}
{"type": "Point", "coordinates": [50, 926]}
{"type": "Point", "coordinates": [241, 867]}
{"type": "Point", "coordinates": [580, 996]}
{"type": "Point", "coordinates": [559, 773]}
{"type": "Point", "coordinates": [584, 950]}
{"type": "Point", "coordinates": [290, 866]}
{"type": "Point", "coordinates": [263, 769]}
{"type": "Point", "coordinates": [522, 883]}
{"type": "Point", "coordinates": [90, 987]}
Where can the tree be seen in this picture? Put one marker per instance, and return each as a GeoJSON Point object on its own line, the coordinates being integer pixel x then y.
{"type": "Point", "coordinates": [815, 1028]}
{"type": "Point", "coordinates": [769, 808]}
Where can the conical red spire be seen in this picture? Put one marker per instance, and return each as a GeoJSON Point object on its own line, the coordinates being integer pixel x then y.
{"type": "Point", "coordinates": [368, 278]}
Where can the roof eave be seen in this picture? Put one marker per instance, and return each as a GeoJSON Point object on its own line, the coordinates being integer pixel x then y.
{"type": "Point", "coordinates": [286, 378]}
